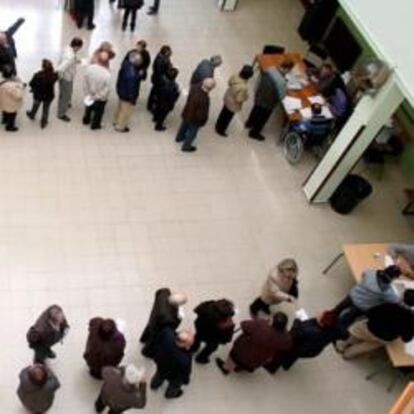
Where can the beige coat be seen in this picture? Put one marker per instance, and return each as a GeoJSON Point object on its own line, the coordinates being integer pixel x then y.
{"type": "Point", "coordinates": [275, 290]}
{"type": "Point", "coordinates": [236, 94]}
{"type": "Point", "coordinates": [11, 96]}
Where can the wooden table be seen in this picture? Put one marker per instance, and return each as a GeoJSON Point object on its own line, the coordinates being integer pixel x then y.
{"type": "Point", "coordinates": [371, 256]}
{"type": "Point", "coordinates": [270, 61]}
{"type": "Point", "coordinates": [405, 403]}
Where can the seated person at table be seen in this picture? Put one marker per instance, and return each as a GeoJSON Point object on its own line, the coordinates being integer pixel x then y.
{"type": "Point", "coordinates": [375, 288]}
{"type": "Point", "coordinates": [326, 78]}
{"type": "Point", "coordinates": [383, 324]}
{"type": "Point", "coordinates": [403, 254]}
{"type": "Point", "coordinates": [316, 126]}
{"type": "Point", "coordinates": [338, 103]}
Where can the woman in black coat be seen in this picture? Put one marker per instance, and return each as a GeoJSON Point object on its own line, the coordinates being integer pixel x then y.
{"type": "Point", "coordinates": [214, 326]}
{"type": "Point", "coordinates": [131, 8]}
{"type": "Point", "coordinates": [43, 88]}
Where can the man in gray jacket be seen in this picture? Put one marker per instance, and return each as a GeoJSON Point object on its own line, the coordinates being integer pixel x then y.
{"type": "Point", "coordinates": [205, 69]}
{"type": "Point", "coordinates": [37, 388]}
{"type": "Point", "coordinates": [123, 388]}
{"type": "Point", "coordinates": [271, 89]}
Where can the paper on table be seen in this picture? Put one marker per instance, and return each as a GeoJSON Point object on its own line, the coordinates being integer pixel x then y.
{"type": "Point", "coordinates": [326, 112]}
{"type": "Point", "coordinates": [409, 347]}
{"type": "Point", "coordinates": [307, 112]}
{"type": "Point", "coordinates": [294, 85]}
{"type": "Point", "coordinates": [292, 104]}
{"type": "Point", "coordinates": [316, 99]}
{"type": "Point", "coordinates": [388, 260]}
{"type": "Point", "coordinates": [302, 314]}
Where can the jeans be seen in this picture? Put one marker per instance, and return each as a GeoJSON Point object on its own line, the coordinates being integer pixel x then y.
{"type": "Point", "coordinates": [100, 406]}
{"type": "Point", "coordinates": [187, 134]}
{"type": "Point", "coordinates": [257, 119]}
{"type": "Point", "coordinates": [224, 119]}
{"type": "Point", "coordinates": [129, 12]}
{"type": "Point", "coordinates": [94, 113]}
{"type": "Point", "coordinates": [257, 306]}
{"type": "Point", "coordinates": [9, 120]}
{"type": "Point", "coordinates": [45, 109]}
{"type": "Point", "coordinates": [65, 96]}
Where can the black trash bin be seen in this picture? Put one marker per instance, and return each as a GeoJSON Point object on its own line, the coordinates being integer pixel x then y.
{"type": "Point", "coordinates": [350, 193]}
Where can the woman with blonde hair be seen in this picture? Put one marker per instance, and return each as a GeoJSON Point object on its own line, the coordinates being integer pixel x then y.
{"type": "Point", "coordinates": [281, 286]}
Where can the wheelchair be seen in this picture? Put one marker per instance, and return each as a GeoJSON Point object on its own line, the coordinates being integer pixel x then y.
{"type": "Point", "coordinates": [295, 141]}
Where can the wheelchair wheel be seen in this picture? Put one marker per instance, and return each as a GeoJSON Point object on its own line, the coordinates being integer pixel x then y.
{"type": "Point", "coordinates": [293, 148]}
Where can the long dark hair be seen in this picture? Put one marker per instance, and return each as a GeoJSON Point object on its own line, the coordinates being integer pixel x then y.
{"type": "Point", "coordinates": [48, 69]}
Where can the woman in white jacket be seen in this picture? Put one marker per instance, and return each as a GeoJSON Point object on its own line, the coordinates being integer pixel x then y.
{"type": "Point", "coordinates": [280, 286]}
{"type": "Point", "coordinates": [97, 88]}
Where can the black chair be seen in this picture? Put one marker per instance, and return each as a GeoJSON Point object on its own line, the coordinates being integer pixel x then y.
{"type": "Point", "coordinates": [315, 56]}
{"type": "Point", "coordinates": [273, 50]}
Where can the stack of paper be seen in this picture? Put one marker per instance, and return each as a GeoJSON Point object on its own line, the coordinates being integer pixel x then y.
{"type": "Point", "coordinates": [317, 99]}
{"type": "Point", "coordinates": [409, 348]}
{"type": "Point", "coordinates": [302, 314]}
{"type": "Point", "coordinates": [307, 112]}
{"type": "Point", "coordinates": [292, 104]}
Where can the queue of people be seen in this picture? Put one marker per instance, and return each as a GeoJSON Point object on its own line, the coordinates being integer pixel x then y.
{"type": "Point", "coordinates": [370, 317]}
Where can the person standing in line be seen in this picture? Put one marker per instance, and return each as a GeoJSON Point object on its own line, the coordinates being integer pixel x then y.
{"type": "Point", "coordinates": [66, 72]}
{"type": "Point", "coordinates": [85, 9]}
{"type": "Point", "coordinates": [8, 48]}
{"type": "Point", "coordinates": [214, 326]}
{"type": "Point", "coordinates": [107, 47]}
{"type": "Point", "coordinates": [141, 46]}
{"type": "Point", "coordinates": [127, 87]}
{"type": "Point", "coordinates": [281, 286]}
{"type": "Point", "coordinates": [37, 387]}
{"type": "Point", "coordinates": [97, 87]}
{"type": "Point", "coordinates": [260, 344]}
{"type": "Point", "coordinates": [123, 388]}
{"type": "Point", "coordinates": [205, 69]}
{"type": "Point", "coordinates": [11, 98]}
{"type": "Point", "coordinates": [174, 361]}
{"type": "Point", "coordinates": [270, 91]}
{"type": "Point", "coordinates": [168, 94]}
{"type": "Point", "coordinates": [48, 330]}
{"type": "Point", "coordinates": [236, 95]}
{"type": "Point", "coordinates": [105, 346]}
{"type": "Point", "coordinates": [131, 9]}
{"type": "Point", "coordinates": [154, 8]}
{"type": "Point", "coordinates": [195, 114]}
{"type": "Point", "coordinates": [162, 63]}
{"type": "Point", "coordinates": [43, 88]}
{"type": "Point", "coordinates": [167, 311]}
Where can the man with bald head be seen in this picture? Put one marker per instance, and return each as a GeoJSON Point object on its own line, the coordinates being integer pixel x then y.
{"type": "Point", "coordinates": [174, 361]}
{"type": "Point", "coordinates": [195, 114]}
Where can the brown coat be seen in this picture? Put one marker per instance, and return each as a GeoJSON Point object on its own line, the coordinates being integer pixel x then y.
{"type": "Point", "coordinates": [236, 94]}
{"type": "Point", "coordinates": [100, 353]}
{"type": "Point", "coordinates": [259, 344]}
{"type": "Point", "coordinates": [34, 398]}
{"type": "Point", "coordinates": [118, 395]}
{"type": "Point", "coordinates": [197, 107]}
{"type": "Point", "coordinates": [11, 95]}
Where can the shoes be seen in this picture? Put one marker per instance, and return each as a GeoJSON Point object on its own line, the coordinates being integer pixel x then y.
{"type": "Point", "coordinates": [132, 29]}
{"type": "Point", "coordinates": [179, 139]}
{"type": "Point", "coordinates": [86, 121]}
{"type": "Point", "coordinates": [257, 137]}
{"type": "Point", "coordinates": [202, 360]}
{"type": "Point", "coordinates": [43, 124]}
{"type": "Point", "coordinates": [126, 129]}
{"type": "Point", "coordinates": [95, 127]}
{"type": "Point", "coordinates": [64, 118]}
{"type": "Point", "coordinates": [156, 382]}
{"type": "Point", "coordinates": [152, 12]}
{"type": "Point", "coordinates": [12, 129]}
{"type": "Point", "coordinates": [51, 354]}
{"type": "Point", "coordinates": [123, 28]}
{"type": "Point", "coordinates": [223, 134]}
{"type": "Point", "coordinates": [160, 128]}
{"type": "Point", "coordinates": [30, 116]}
{"type": "Point", "coordinates": [189, 149]}
{"type": "Point", "coordinates": [220, 366]}
{"type": "Point", "coordinates": [175, 394]}
{"type": "Point", "coordinates": [91, 27]}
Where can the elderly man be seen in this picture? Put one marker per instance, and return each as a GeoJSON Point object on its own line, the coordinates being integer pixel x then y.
{"type": "Point", "coordinates": [174, 361]}
{"type": "Point", "coordinates": [105, 346]}
{"type": "Point", "coordinates": [166, 312]}
{"type": "Point", "coordinates": [205, 69]}
{"type": "Point", "coordinates": [195, 114]}
{"type": "Point", "coordinates": [123, 388]}
{"type": "Point", "coordinates": [48, 330]}
{"type": "Point", "coordinates": [37, 388]}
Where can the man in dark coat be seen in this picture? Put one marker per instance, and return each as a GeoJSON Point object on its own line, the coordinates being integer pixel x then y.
{"type": "Point", "coordinates": [270, 91]}
{"type": "Point", "coordinates": [123, 388]}
{"type": "Point", "coordinates": [205, 69]}
{"type": "Point", "coordinates": [259, 344]}
{"type": "Point", "coordinates": [195, 114]}
{"type": "Point", "coordinates": [214, 326]}
{"type": "Point", "coordinates": [310, 338]}
{"type": "Point", "coordinates": [131, 8]}
{"type": "Point", "coordinates": [85, 9]}
{"type": "Point", "coordinates": [8, 50]}
{"type": "Point", "coordinates": [47, 331]}
{"type": "Point", "coordinates": [161, 65]}
{"type": "Point", "coordinates": [105, 346]}
{"type": "Point", "coordinates": [168, 93]}
{"type": "Point", "coordinates": [174, 361]}
{"type": "Point", "coordinates": [164, 313]}
{"type": "Point", "coordinates": [37, 388]}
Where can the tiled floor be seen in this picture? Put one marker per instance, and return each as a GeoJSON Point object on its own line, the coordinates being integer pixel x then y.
{"type": "Point", "coordinates": [98, 221]}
